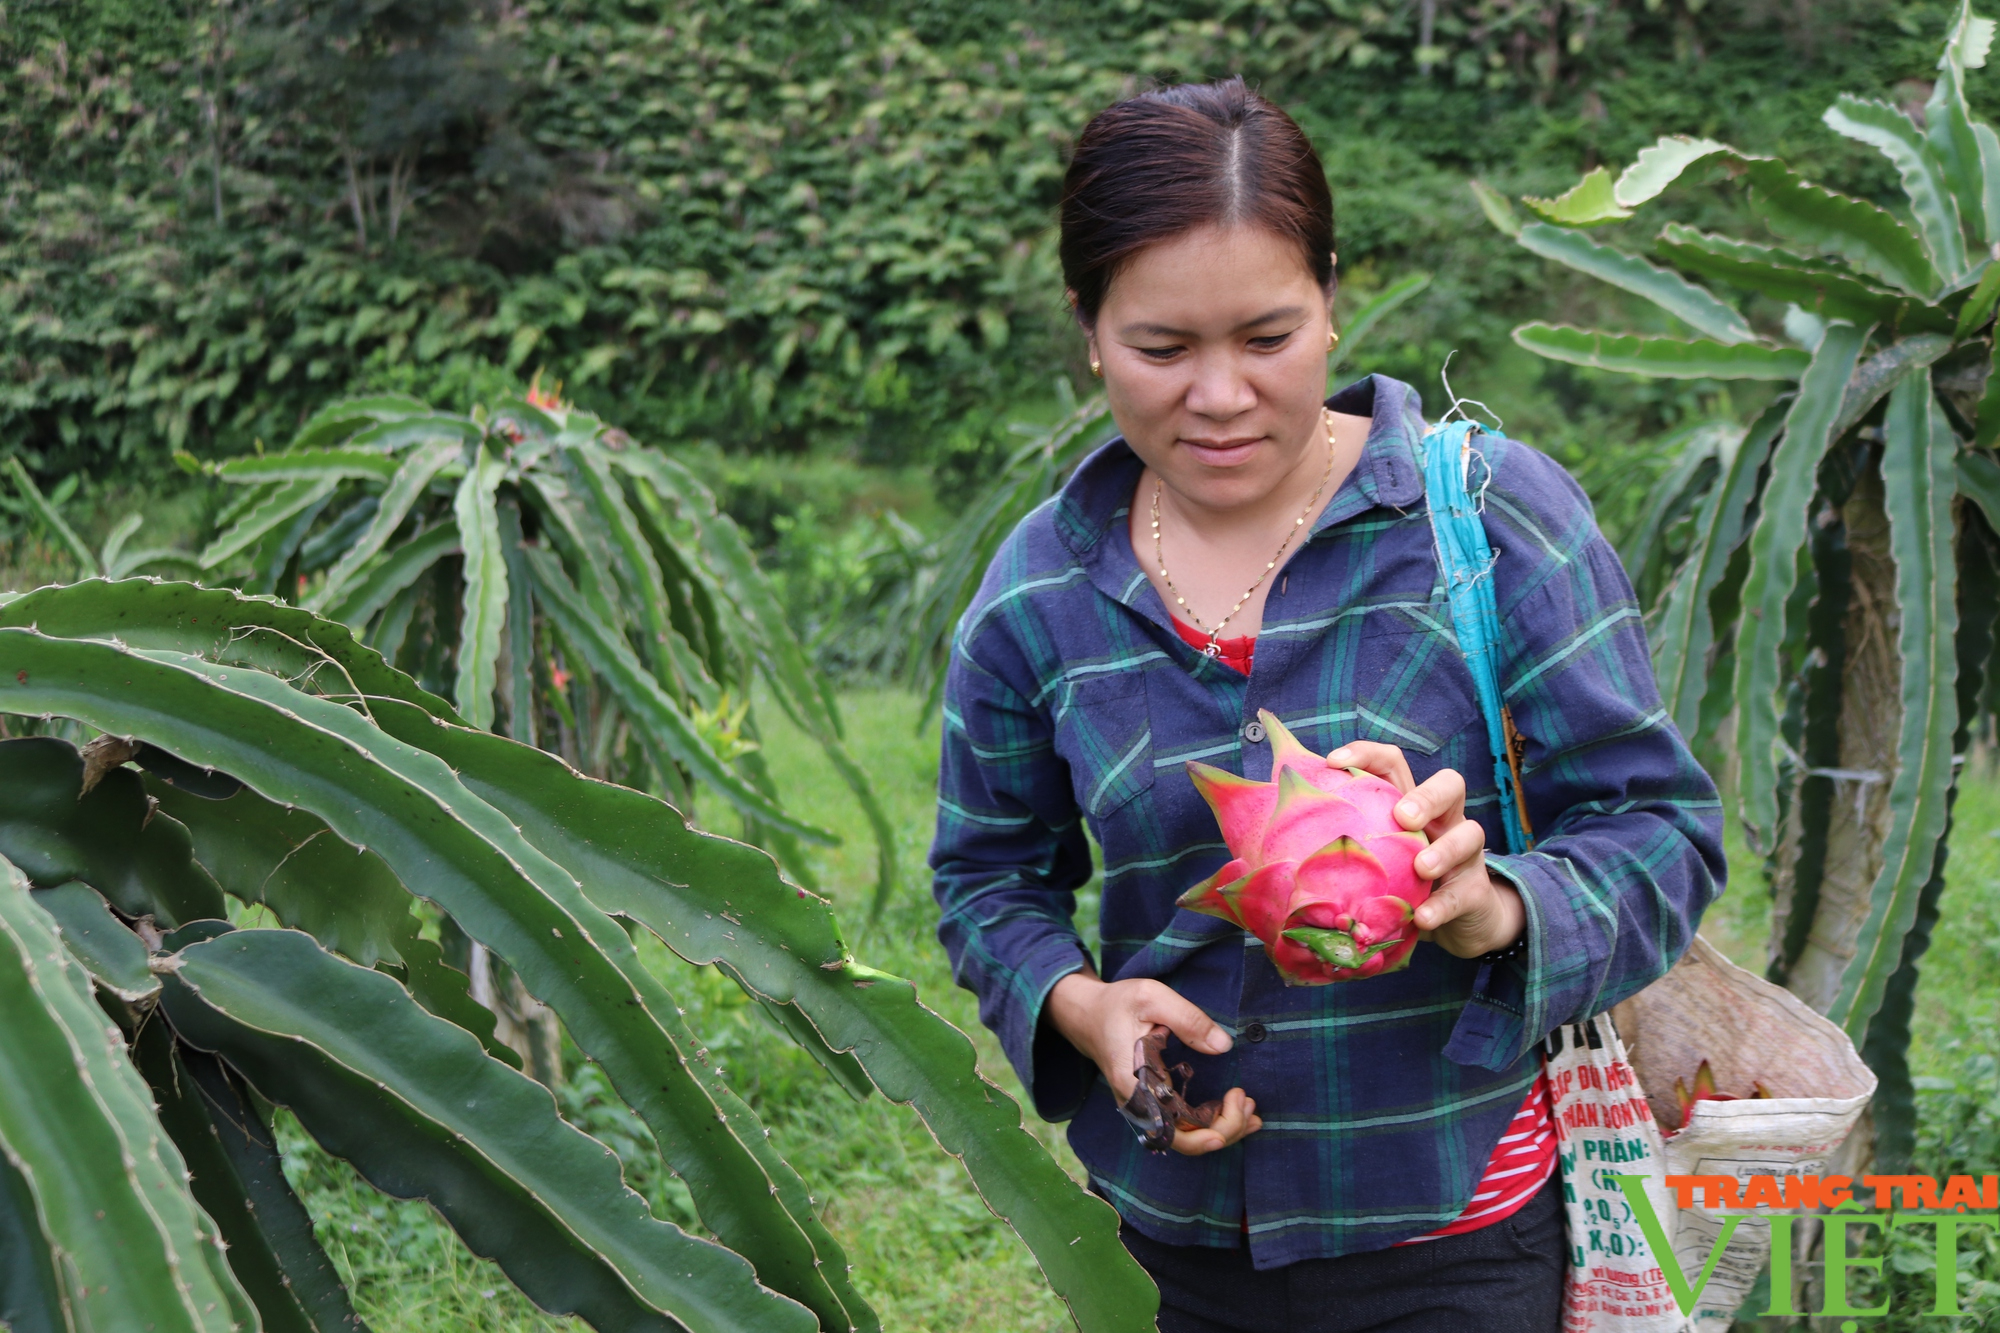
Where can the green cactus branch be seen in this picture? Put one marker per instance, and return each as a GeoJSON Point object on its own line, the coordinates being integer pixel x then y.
{"type": "Point", "coordinates": [286, 764]}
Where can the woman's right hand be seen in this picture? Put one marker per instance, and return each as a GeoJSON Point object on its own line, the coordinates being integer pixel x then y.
{"type": "Point", "coordinates": [1105, 1020]}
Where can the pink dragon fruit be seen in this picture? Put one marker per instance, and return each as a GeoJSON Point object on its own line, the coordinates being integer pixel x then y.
{"type": "Point", "coordinates": [1321, 871]}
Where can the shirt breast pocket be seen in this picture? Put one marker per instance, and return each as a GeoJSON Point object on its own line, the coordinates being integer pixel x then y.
{"type": "Point", "coordinates": [1105, 732]}
{"type": "Point", "coordinates": [1415, 688]}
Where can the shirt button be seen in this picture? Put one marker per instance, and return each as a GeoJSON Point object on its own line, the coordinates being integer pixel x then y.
{"type": "Point", "coordinates": [1253, 732]}
{"type": "Point", "coordinates": [1255, 1033]}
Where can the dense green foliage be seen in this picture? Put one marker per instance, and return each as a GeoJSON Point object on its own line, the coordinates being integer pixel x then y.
{"type": "Point", "coordinates": [790, 224]}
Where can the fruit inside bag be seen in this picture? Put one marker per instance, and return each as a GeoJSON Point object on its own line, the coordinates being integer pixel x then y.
{"type": "Point", "coordinates": [1710, 1071]}
{"type": "Point", "coordinates": [1788, 1090]}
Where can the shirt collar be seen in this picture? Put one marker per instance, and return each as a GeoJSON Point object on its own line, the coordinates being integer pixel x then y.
{"type": "Point", "coordinates": [1094, 502]}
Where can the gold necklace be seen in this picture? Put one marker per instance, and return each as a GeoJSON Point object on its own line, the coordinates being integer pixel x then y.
{"type": "Point", "coordinates": [1214, 649]}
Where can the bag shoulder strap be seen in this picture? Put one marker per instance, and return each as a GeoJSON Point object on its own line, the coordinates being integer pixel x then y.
{"type": "Point", "coordinates": [1465, 559]}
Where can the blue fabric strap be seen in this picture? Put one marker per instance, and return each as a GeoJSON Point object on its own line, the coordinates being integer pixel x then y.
{"type": "Point", "coordinates": [1466, 562]}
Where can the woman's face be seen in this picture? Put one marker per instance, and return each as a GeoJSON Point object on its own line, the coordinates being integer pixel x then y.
{"type": "Point", "coordinates": [1213, 346]}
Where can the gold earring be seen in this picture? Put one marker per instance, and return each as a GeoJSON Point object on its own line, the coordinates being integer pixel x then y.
{"type": "Point", "coordinates": [1096, 369]}
{"type": "Point", "coordinates": [1332, 339]}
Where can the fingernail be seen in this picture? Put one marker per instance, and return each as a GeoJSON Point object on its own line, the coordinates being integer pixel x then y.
{"type": "Point", "coordinates": [1406, 810]}
{"type": "Point", "coordinates": [1340, 758]}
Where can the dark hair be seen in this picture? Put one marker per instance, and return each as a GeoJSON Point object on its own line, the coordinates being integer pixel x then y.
{"type": "Point", "coordinates": [1175, 159]}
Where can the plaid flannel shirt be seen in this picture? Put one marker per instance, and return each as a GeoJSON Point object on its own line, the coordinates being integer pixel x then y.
{"type": "Point", "coordinates": [1071, 701]}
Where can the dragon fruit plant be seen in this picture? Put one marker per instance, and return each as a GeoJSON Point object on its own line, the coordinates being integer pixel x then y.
{"type": "Point", "coordinates": [264, 759]}
{"type": "Point", "coordinates": [1320, 870]}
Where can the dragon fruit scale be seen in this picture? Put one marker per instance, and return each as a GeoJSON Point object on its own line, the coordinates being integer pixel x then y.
{"type": "Point", "coordinates": [1320, 871]}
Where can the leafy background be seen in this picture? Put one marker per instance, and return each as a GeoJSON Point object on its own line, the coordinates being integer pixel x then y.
{"type": "Point", "coordinates": [806, 245]}
{"type": "Point", "coordinates": [786, 228]}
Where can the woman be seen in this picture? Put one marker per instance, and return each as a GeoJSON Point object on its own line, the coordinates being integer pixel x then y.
{"type": "Point", "coordinates": [1382, 1159]}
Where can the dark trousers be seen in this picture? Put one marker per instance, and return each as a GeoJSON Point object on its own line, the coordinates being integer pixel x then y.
{"type": "Point", "coordinates": [1503, 1278]}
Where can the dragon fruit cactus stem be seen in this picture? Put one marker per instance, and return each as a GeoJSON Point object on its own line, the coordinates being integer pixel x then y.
{"type": "Point", "coordinates": [1320, 871]}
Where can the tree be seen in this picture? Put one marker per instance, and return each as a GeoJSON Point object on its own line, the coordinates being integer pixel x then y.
{"type": "Point", "coordinates": [1829, 574]}
{"type": "Point", "coordinates": [391, 80]}
{"type": "Point", "coordinates": [279, 761]}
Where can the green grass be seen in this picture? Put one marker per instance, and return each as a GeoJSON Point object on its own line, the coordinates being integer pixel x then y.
{"type": "Point", "coordinates": [1958, 999]}
{"type": "Point", "coordinates": [924, 1248]}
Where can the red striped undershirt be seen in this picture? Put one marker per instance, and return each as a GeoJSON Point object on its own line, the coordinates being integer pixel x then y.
{"type": "Point", "coordinates": [1525, 1157]}
{"type": "Point", "coordinates": [1520, 1165]}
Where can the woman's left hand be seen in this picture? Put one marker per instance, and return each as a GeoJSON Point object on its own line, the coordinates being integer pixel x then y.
{"type": "Point", "coordinates": [1468, 912]}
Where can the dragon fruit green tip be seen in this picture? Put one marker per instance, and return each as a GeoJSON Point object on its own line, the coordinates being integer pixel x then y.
{"type": "Point", "coordinates": [1319, 869]}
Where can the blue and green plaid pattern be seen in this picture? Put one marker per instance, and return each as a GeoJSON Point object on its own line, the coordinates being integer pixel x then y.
{"type": "Point", "coordinates": [1071, 702]}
